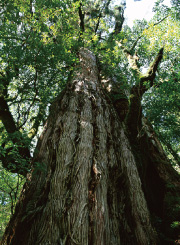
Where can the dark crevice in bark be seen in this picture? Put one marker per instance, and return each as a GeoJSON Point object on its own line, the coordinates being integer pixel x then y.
{"type": "Point", "coordinates": [95, 176]}
{"type": "Point", "coordinates": [154, 170]}
{"type": "Point", "coordinates": [118, 192]}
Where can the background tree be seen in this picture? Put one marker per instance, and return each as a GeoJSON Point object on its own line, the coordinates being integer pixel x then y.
{"type": "Point", "coordinates": [10, 186]}
{"type": "Point", "coordinates": [42, 54]}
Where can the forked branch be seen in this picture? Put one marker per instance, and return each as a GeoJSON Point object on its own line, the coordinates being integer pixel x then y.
{"type": "Point", "coordinates": [151, 73]}
{"type": "Point", "coordinates": [137, 91]}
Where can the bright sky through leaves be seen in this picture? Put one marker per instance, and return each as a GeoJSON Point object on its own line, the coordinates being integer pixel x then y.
{"type": "Point", "coordinates": [140, 10]}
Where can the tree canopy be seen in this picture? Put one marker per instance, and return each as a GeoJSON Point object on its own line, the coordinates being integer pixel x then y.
{"type": "Point", "coordinates": [39, 43]}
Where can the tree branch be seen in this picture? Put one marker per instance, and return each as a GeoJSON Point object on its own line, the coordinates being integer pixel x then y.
{"type": "Point", "coordinates": [133, 62]}
{"type": "Point", "coordinates": [98, 22]}
{"type": "Point", "coordinates": [151, 73]}
{"type": "Point", "coordinates": [102, 13]}
{"type": "Point", "coordinates": [6, 116]}
{"type": "Point", "coordinates": [81, 16]}
{"type": "Point", "coordinates": [104, 10]}
{"type": "Point", "coordinates": [119, 18]}
{"type": "Point", "coordinates": [135, 111]}
{"type": "Point", "coordinates": [8, 161]}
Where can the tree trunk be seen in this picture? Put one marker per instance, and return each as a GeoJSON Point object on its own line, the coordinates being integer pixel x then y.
{"type": "Point", "coordinates": [88, 185]}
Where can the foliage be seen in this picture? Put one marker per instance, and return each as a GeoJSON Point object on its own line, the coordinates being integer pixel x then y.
{"type": "Point", "coordinates": [162, 103]}
{"type": "Point", "coordinates": [10, 187]}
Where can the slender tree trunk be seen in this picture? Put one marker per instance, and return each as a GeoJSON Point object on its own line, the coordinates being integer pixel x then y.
{"type": "Point", "coordinates": [87, 186]}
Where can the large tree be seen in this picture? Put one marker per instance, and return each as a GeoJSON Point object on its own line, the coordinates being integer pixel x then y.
{"type": "Point", "coordinates": [99, 174]}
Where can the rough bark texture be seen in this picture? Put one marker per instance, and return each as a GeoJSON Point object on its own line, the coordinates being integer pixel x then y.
{"type": "Point", "coordinates": [88, 188]}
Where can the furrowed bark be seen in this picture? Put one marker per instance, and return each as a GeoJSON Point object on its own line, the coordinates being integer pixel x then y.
{"type": "Point", "coordinates": [160, 182]}
{"type": "Point", "coordinates": [87, 189]}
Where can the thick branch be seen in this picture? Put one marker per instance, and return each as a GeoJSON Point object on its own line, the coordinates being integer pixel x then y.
{"type": "Point", "coordinates": [81, 16]}
{"type": "Point", "coordinates": [8, 161]}
{"type": "Point", "coordinates": [133, 62]}
{"type": "Point", "coordinates": [31, 7]}
{"type": "Point", "coordinates": [132, 59]}
{"type": "Point", "coordinates": [98, 22]}
{"type": "Point", "coordinates": [119, 17]}
{"type": "Point", "coordinates": [137, 91]}
{"type": "Point", "coordinates": [150, 75]}
{"type": "Point", "coordinates": [107, 4]}
{"type": "Point", "coordinates": [102, 13]}
{"type": "Point", "coordinates": [6, 116]}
